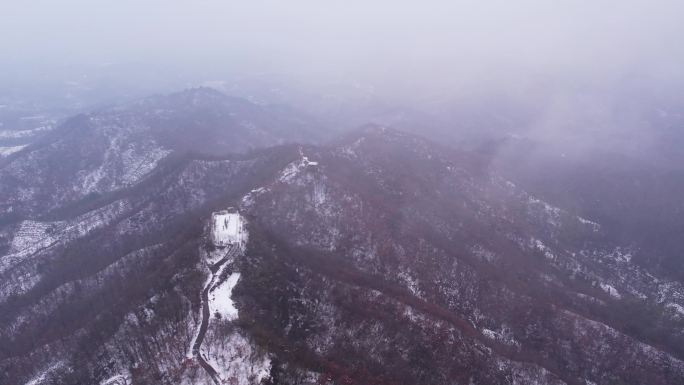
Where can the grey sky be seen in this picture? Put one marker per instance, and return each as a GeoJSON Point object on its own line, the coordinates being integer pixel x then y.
{"type": "Point", "coordinates": [421, 39]}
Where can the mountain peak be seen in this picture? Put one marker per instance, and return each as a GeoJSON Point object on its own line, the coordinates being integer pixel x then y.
{"type": "Point", "coordinates": [201, 93]}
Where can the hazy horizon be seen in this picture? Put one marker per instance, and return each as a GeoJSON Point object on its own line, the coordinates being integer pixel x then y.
{"type": "Point", "coordinates": [566, 72]}
{"type": "Point", "coordinates": [402, 46]}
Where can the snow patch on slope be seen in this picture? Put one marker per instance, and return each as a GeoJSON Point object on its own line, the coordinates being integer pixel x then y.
{"type": "Point", "coordinates": [610, 290]}
{"type": "Point", "coordinates": [137, 165]}
{"type": "Point", "coordinates": [679, 309]}
{"type": "Point", "coordinates": [595, 226]}
{"type": "Point", "coordinates": [42, 376]}
{"type": "Point", "coordinates": [237, 360]}
{"type": "Point", "coordinates": [539, 245]}
{"type": "Point", "coordinates": [118, 379]}
{"type": "Point", "coordinates": [124, 162]}
{"type": "Point", "coordinates": [504, 335]}
{"type": "Point", "coordinates": [249, 199]}
{"type": "Point", "coordinates": [293, 169]}
{"type": "Point", "coordinates": [20, 134]}
{"type": "Point", "coordinates": [6, 151]}
{"type": "Point", "coordinates": [220, 301]}
{"type": "Point", "coordinates": [552, 213]}
{"type": "Point", "coordinates": [32, 236]}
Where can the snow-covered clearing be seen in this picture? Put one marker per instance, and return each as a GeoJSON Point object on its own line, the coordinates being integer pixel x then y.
{"type": "Point", "coordinates": [227, 228]}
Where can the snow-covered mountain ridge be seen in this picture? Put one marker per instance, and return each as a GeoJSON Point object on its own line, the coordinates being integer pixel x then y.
{"type": "Point", "coordinates": [381, 257]}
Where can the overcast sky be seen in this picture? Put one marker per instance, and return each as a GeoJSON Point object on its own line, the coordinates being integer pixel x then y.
{"type": "Point", "coordinates": [425, 42]}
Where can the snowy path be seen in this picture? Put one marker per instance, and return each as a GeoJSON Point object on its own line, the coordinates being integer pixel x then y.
{"type": "Point", "coordinates": [216, 270]}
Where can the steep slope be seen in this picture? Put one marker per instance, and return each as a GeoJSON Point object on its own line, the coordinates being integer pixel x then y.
{"type": "Point", "coordinates": [396, 261]}
{"type": "Point", "coordinates": [638, 201]}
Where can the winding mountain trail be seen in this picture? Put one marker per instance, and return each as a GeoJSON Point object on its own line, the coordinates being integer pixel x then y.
{"type": "Point", "coordinates": [216, 269]}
